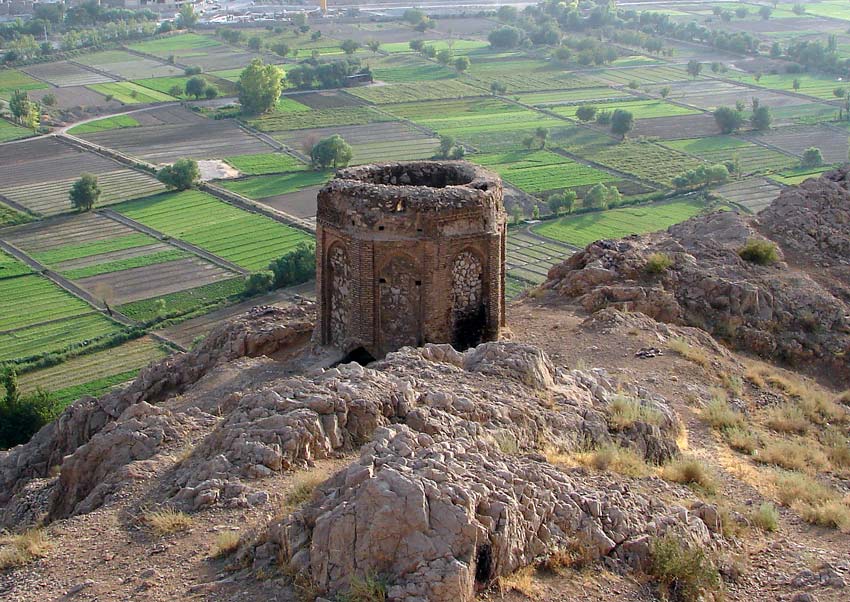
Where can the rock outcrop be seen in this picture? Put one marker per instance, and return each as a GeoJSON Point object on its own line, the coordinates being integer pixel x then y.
{"type": "Point", "coordinates": [788, 311]}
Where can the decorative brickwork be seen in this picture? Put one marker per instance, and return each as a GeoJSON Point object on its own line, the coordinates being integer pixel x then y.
{"type": "Point", "coordinates": [410, 253]}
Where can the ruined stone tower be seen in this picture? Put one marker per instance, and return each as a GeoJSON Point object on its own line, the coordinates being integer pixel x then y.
{"type": "Point", "coordinates": [410, 253]}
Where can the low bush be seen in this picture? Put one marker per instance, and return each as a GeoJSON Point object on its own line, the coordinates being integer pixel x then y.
{"type": "Point", "coordinates": [691, 472]}
{"type": "Point", "coordinates": [788, 418]}
{"type": "Point", "coordinates": [658, 263]}
{"type": "Point", "coordinates": [626, 411]}
{"type": "Point", "coordinates": [18, 550]}
{"type": "Point", "coordinates": [617, 459]}
{"type": "Point", "coordinates": [765, 517]}
{"type": "Point", "coordinates": [761, 252]}
{"type": "Point", "coordinates": [720, 415]}
{"type": "Point", "coordinates": [225, 544]}
{"type": "Point", "coordinates": [741, 439]}
{"type": "Point", "coordinates": [302, 488]}
{"type": "Point", "coordinates": [167, 521]}
{"type": "Point", "coordinates": [793, 487]}
{"type": "Point", "coordinates": [792, 455]}
{"type": "Point", "coordinates": [689, 352]}
{"type": "Point", "coordinates": [683, 573]}
{"type": "Point", "coordinates": [833, 514]}
{"type": "Point", "coordinates": [521, 581]}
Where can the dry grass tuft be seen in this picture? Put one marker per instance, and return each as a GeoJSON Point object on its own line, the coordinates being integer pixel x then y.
{"type": "Point", "coordinates": [507, 442]}
{"type": "Point", "coordinates": [788, 418]}
{"type": "Point", "coordinates": [793, 487]}
{"type": "Point", "coordinates": [832, 513]}
{"type": "Point", "coordinates": [613, 458]}
{"type": "Point", "coordinates": [792, 455]}
{"type": "Point", "coordinates": [733, 383]}
{"type": "Point", "coordinates": [369, 588]}
{"type": "Point", "coordinates": [844, 398]}
{"type": "Point", "coordinates": [689, 352]}
{"type": "Point", "coordinates": [755, 375]}
{"type": "Point", "coordinates": [167, 521]}
{"type": "Point", "coordinates": [625, 411]}
{"type": "Point", "coordinates": [837, 448]}
{"type": "Point", "coordinates": [765, 517]}
{"type": "Point", "coordinates": [304, 483]}
{"type": "Point", "coordinates": [577, 555]}
{"type": "Point", "coordinates": [18, 550]}
{"type": "Point", "coordinates": [225, 544]}
{"type": "Point", "coordinates": [741, 439]}
{"type": "Point", "coordinates": [521, 581]}
{"type": "Point", "coordinates": [683, 573]}
{"type": "Point", "coordinates": [719, 414]}
{"type": "Point", "coordinates": [691, 472]}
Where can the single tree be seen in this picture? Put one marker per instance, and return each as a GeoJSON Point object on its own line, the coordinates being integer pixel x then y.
{"type": "Point", "coordinates": [416, 45]}
{"type": "Point", "coordinates": [176, 91]}
{"type": "Point", "coordinates": [761, 119]}
{"type": "Point", "coordinates": [281, 49]}
{"type": "Point", "coordinates": [765, 12]}
{"type": "Point", "coordinates": [562, 55]}
{"type": "Point", "coordinates": [622, 122]}
{"type": "Point", "coordinates": [562, 201]}
{"type": "Point", "coordinates": [210, 92]}
{"type": "Point", "coordinates": [812, 157]}
{"type": "Point", "coordinates": [728, 119]}
{"type": "Point", "coordinates": [295, 267]}
{"type": "Point", "coordinates": [180, 175]}
{"type": "Point", "coordinates": [48, 100]}
{"type": "Point", "coordinates": [331, 152]}
{"type": "Point", "coordinates": [741, 12]}
{"type": "Point", "coordinates": [597, 197]}
{"type": "Point", "coordinates": [665, 91]}
{"type": "Point", "coordinates": [796, 85]}
{"type": "Point", "coordinates": [505, 37]}
{"type": "Point", "coordinates": [444, 56]}
{"type": "Point", "coordinates": [541, 135]}
{"type": "Point", "coordinates": [447, 143]}
{"type": "Point", "coordinates": [196, 87]}
{"type": "Point", "coordinates": [694, 68]}
{"type": "Point", "coordinates": [586, 113]}
{"type": "Point", "coordinates": [259, 87]}
{"type": "Point", "coordinates": [349, 47]}
{"type": "Point", "coordinates": [186, 17]}
{"type": "Point", "coordinates": [374, 45]}
{"type": "Point", "coordinates": [430, 51]}
{"type": "Point", "coordinates": [84, 192]}
{"type": "Point", "coordinates": [497, 88]}
{"type": "Point", "coordinates": [255, 43]}
{"type": "Point", "coordinates": [462, 64]}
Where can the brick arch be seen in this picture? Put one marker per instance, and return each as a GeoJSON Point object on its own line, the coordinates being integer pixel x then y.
{"type": "Point", "coordinates": [399, 298]}
{"type": "Point", "coordinates": [468, 295]}
{"type": "Point", "coordinates": [337, 290]}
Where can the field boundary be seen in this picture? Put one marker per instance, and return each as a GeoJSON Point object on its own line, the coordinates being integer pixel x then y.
{"type": "Point", "coordinates": [96, 70]}
{"type": "Point", "coordinates": [18, 207]}
{"type": "Point", "coordinates": [243, 202]}
{"type": "Point", "coordinates": [153, 57]}
{"type": "Point", "coordinates": [174, 242]}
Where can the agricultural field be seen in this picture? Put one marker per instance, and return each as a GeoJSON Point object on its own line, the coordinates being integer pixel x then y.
{"type": "Point", "coordinates": [11, 80]}
{"type": "Point", "coordinates": [708, 94]}
{"type": "Point", "coordinates": [541, 171]}
{"type": "Point", "coordinates": [123, 65]}
{"type": "Point", "coordinates": [581, 230]}
{"type": "Point", "coordinates": [55, 335]}
{"type": "Point", "coordinates": [796, 139]}
{"type": "Point", "coordinates": [247, 239]}
{"type": "Point", "coordinates": [471, 120]}
{"type": "Point", "coordinates": [753, 194]}
{"type": "Point", "coordinates": [96, 373]}
{"type": "Point", "coordinates": [810, 85]}
{"type": "Point", "coordinates": [427, 90]}
{"type": "Point", "coordinates": [643, 76]}
{"type": "Point", "coordinates": [164, 85]}
{"type": "Point", "coordinates": [66, 74]}
{"type": "Point", "coordinates": [569, 97]}
{"type": "Point", "coordinates": [183, 45]}
{"type": "Point", "coordinates": [676, 128]}
{"type": "Point", "coordinates": [529, 257]}
{"type": "Point", "coordinates": [406, 68]}
{"type": "Point", "coordinates": [261, 187]}
{"type": "Point", "coordinates": [75, 98]}
{"type": "Point", "coordinates": [645, 160]}
{"type": "Point", "coordinates": [641, 109]}
{"type": "Point", "coordinates": [185, 302]}
{"type": "Point", "coordinates": [265, 163]}
{"type": "Point", "coordinates": [752, 158]}
{"type": "Point", "coordinates": [10, 131]}
{"type": "Point", "coordinates": [281, 121]}
{"type": "Point", "coordinates": [793, 177]}
{"type": "Point", "coordinates": [129, 93]}
{"type": "Point", "coordinates": [522, 75]}
{"type": "Point", "coordinates": [107, 123]}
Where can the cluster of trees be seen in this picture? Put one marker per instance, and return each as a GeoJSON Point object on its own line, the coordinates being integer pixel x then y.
{"type": "Point", "coordinates": [620, 121]}
{"type": "Point", "coordinates": [601, 197]}
{"type": "Point", "coordinates": [196, 86]}
{"type": "Point", "coordinates": [21, 416]}
{"type": "Point", "coordinates": [180, 175]}
{"type": "Point", "coordinates": [23, 110]}
{"type": "Point", "coordinates": [704, 175]}
{"type": "Point", "coordinates": [731, 119]}
{"type": "Point", "coordinates": [537, 139]}
{"type": "Point", "coordinates": [450, 149]}
{"type": "Point", "coordinates": [812, 157]}
{"type": "Point", "coordinates": [295, 267]}
{"type": "Point", "coordinates": [561, 202]}
{"type": "Point", "coordinates": [444, 56]}
{"type": "Point", "coordinates": [314, 73]}
{"type": "Point", "coordinates": [661, 25]}
{"type": "Point", "coordinates": [418, 19]}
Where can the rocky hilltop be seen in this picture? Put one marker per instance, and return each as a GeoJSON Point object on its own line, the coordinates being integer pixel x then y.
{"type": "Point", "coordinates": [616, 434]}
{"type": "Point", "coordinates": [795, 309]}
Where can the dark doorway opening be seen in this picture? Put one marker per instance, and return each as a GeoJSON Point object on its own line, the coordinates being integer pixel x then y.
{"type": "Point", "coordinates": [469, 329]}
{"type": "Point", "coordinates": [359, 355]}
{"type": "Point", "coordinates": [483, 564]}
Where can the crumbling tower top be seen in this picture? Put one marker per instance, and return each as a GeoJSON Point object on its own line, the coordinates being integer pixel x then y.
{"type": "Point", "coordinates": [409, 253]}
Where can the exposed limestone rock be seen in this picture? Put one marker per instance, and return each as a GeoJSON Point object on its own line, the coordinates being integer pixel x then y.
{"type": "Point", "coordinates": [778, 311]}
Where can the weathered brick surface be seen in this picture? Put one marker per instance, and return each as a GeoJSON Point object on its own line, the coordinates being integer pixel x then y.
{"type": "Point", "coordinates": [410, 253]}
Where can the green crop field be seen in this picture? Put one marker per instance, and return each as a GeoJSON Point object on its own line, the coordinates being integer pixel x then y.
{"type": "Point", "coordinates": [125, 264]}
{"type": "Point", "coordinates": [581, 230]}
{"type": "Point", "coordinates": [175, 44]}
{"type": "Point", "coordinates": [819, 86]}
{"type": "Point", "coordinates": [648, 161]}
{"type": "Point", "coordinates": [792, 177]}
{"type": "Point", "coordinates": [566, 97]}
{"type": "Point", "coordinates": [523, 75]}
{"type": "Point", "coordinates": [640, 75]}
{"type": "Point", "coordinates": [458, 47]}
{"type": "Point", "coordinates": [10, 267]}
{"type": "Point", "coordinates": [404, 68]}
{"type": "Point", "coordinates": [86, 249]}
{"type": "Point", "coordinates": [466, 119]}
{"type": "Point", "coordinates": [10, 217]}
{"type": "Point", "coordinates": [247, 239]}
{"type": "Point", "coordinates": [54, 336]}
{"type": "Point", "coordinates": [183, 301]}
{"type": "Point", "coordinates": [260, 187]}
{"type": "Point", "coordinates": [539, 171]}
{"type": "Point", "coordinates": [265, 163]}
{"type": "Point", "coordinates": [10, 131]}
{"type": "Point", "coordinates": [427, 90]}
{"type": "Point", "coordinates": [129, 93]}
{"type": "Point", "coordinates": [31, 299]}
{"type": "Point", "coordinates": [283, 121]}
{"type": "Point", "coordinates": [165, 84]}
{"type": "Point", "coordinates": [719, 149]}
{"type": "Point", "coordinates": [641, 109]}
{"type": "Point", "coordinates": [11, 80]}
{"type": "Point", "coordinates": [102, 125]}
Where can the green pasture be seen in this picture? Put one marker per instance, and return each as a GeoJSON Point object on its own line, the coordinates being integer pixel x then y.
{"type": "Point", "coordinates": [12, 79]}
{"type": "Point", "coordinates": [319, 118]}
{"type": "Point", "coordinates": [539, 171]}
{"type": "Point", "coordinates": [646, 160]}
{"type": "Point", "coordinates": [10, 131]}
{"type": "Point", "coordinates": [641, 109]}
{"type": "Point", "coordinates": [265, 163]}
{"type": "Point", "coordinates": [183, 302]}
{"type": "Point", "coordinates": [56, 335]}
{"type": "Point", "coordinates": [261, 187]}
{"type": "Point", "coordinates": [102, 125]}
{"type": "Point", "coordinates": [719, 149]}
{"type": "Point", "coordinates": [130, 93]}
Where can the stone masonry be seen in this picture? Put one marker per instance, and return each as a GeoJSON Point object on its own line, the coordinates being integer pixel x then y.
{"type": "Point", "coordinates": [408, 254]}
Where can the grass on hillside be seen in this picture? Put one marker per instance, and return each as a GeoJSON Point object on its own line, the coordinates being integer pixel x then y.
{"type": "Point", "coordinates": [581, 230]}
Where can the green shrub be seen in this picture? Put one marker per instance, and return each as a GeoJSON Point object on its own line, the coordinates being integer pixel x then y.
{"type": "Point", "coordinates": [295, 267]}
{"type": "Point", "coordinates": [658, 263]}
{"type": "Point", "coordinates": [21, 417]}
{"type": "Point", "coordinates": [766, 517]}
{"type": "Point", "coordinates": [259, 282]}
{"type": "Point", "coordinates": [683, 573]}
{"type": "Point", "coordinates": [692, 472]}
{"type": "Point", "coordinates": [762, 252]}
